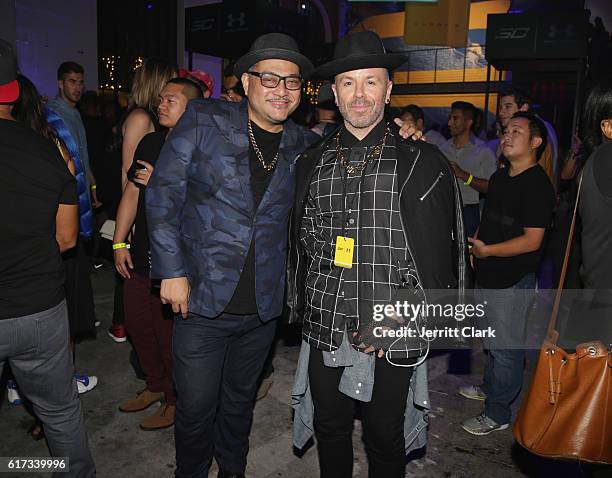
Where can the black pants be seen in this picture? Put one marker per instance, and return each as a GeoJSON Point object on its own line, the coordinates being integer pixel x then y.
{"type": "Point", "coordinates": [79, 291]}
{"type": "Point", "coordinates": [382, 419]}
{"type": "Point", "coordinates": [216, 366]}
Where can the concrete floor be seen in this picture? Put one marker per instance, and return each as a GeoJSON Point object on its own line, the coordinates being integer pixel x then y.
{"type": "Point", "coordinates": [121, 449]}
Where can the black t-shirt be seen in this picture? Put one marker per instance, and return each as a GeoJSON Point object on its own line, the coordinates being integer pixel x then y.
{"type": "Point", "coordinates": [34, 180]}
{"type": "Point", "coordinates": [513, 203]}
{"type": "Point", "coordinates": [244, 300]}
{"type": "Point", "coordinates": [147, 150]}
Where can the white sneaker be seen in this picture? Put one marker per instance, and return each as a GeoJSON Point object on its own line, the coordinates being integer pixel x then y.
{"type": "Point", "coordinates": [473, 392]}
{"type": "Point", "coordinates": [85, 383]}
{"type": "Point", "coordinates": [482, 425]}
{"type": "Point", "coordinates": [12, 394]}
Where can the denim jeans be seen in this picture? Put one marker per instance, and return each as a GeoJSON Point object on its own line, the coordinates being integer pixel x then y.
{"type": "Point", "coordinates": [37, 347]}
{"type": "Point", "coordinates": [217, 363]}
{"type": "Point", "coordinates": [506, 312]}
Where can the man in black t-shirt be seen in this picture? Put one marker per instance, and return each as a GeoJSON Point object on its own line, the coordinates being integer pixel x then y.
{"type": "Point", "coordinates": [149, 330]}
{"type": "Point", "coordinates": [217, 212]}
{"type": "Point", "coordinates": [505, 254]}
{"type": "Point", "coordinates": [38, 206]}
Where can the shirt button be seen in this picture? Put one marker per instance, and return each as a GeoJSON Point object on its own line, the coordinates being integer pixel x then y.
{"type": "Point", "coordinates": [351, 221]}
{"type": "Point", "coordinates": [357, 392]}
{"type": "Point", "coordinates": [424, 402]}
{"type": "Point", "coordinates": [359, 384]}
{"type": "Point", "coordinates": [334, 359]}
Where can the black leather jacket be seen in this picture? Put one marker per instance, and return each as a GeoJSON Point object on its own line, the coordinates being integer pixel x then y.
{"type": "Point", "coordinates": [431, 214]}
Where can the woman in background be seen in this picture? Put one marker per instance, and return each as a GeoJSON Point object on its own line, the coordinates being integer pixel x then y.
{"type": "Point", "coordinates": [141, 117]}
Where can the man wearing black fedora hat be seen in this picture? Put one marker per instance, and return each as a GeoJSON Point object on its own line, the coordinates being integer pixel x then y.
{"type": "Point", "coordinates": [376, 219]}
{"type": "Point", "coordinates": [218, 209]}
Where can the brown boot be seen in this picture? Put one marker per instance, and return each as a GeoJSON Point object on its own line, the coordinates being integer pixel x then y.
{"type": "Point", "coordinates": [162, 418]}
{"type": "Point", "coordinates": [264, 387]}
{"type": "Point", "coordinates": [143, 400]}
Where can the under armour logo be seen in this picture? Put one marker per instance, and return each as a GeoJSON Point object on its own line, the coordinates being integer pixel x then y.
{"type": "Point", "coordinates": [203, 25]}
{"type": "Point", "coordinates": [561, 32]}
{"type": "Point", "coordinates": [232, 20]}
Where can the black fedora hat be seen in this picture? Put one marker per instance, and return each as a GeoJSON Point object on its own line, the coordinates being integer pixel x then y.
{"type": "Point", "coordinates": [274, 46]}
{"type": "Point", "coordinates": [358, 51]}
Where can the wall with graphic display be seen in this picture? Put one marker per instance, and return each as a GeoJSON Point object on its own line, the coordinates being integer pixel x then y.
{"type": "Point", "coordinates": [431, 65]}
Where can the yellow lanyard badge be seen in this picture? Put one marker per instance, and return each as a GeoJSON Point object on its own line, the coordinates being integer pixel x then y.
{"type": "Point", "coordinates": [344, 252]}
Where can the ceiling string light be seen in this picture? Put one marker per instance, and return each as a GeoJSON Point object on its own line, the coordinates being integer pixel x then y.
{"type": "Point", "coordinates": [311, 89]}
{"type": "Point", "coordinates": [109, 63]}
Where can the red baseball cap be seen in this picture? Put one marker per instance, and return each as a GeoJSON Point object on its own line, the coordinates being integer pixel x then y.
{"type": "Point", "coordinates": [199, 76]}
{"type": "Point", "coordinates": [9, 88]}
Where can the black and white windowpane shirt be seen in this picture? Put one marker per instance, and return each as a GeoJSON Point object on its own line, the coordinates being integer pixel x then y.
{"type": "Point", "coordinates": [381, 260]}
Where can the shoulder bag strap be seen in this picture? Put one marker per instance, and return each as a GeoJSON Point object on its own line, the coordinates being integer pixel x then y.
{"type": "Point", "coordinates": [555, 310]}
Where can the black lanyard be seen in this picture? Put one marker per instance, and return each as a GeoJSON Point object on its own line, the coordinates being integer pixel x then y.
{"type": "Point", "coordinates": [344, 176]}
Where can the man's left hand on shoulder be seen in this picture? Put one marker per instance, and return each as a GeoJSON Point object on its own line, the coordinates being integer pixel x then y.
{"type": "Point", "coordinates": [407, 130]}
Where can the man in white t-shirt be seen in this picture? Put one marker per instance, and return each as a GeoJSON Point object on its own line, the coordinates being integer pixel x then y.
{"type": "Point", "coordinates": [471, 160]}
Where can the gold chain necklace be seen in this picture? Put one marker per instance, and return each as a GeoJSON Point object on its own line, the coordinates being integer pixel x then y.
{"type": "Point", "coordinates": [267, 166]}
{"type": "Point", "coordinates": [360, 166]}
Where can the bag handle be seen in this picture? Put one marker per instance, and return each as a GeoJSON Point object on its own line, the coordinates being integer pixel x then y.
{"type": "Point", "coordinates": [555, 310]}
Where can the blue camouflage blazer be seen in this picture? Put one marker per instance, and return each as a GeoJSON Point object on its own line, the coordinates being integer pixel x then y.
{"type": "Point", "coordinates": [201, 213]}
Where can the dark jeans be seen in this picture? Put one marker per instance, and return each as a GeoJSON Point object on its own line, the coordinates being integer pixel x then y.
{"type": "Point", "coordinates": [382, 419]}
{"type": "Point", "coordinates": [37, 347]}
{"type": "Point", "coordinates": [506, 312]}
{"type": "Point", "coordinates": [151, 334]}
{"type": "Point", "coordinates": [217, 363]}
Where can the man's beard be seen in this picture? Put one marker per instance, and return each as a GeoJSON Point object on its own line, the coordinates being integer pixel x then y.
{"type": "Point", "coordinates": [365, 120]}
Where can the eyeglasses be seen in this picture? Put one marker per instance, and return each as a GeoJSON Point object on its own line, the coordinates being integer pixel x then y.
{"type": "Point", "coordinates": [271, 80]}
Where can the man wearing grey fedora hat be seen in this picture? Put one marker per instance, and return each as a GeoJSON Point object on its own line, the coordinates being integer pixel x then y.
{"type": "Point", "coordinates": [218, 209]}
{"type": "Point", "coordinates": [376, 220]}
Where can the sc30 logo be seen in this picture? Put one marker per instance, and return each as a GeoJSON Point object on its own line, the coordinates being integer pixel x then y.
{"type": "Point", "coordinates": [512, 33]}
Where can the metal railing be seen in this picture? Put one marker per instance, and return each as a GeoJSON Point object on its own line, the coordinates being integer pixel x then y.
{"type": "Point", "coordinates": [445, 65]}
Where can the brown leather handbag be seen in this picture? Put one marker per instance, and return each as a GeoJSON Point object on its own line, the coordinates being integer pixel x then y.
{"type": "Point", "coordinates": [567, 412]}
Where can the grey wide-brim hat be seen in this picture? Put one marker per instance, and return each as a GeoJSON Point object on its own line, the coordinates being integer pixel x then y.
{"type": "Point", "coordinates": [358, 51]}
{"type": "Point", "coordinates": [274, 46]}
